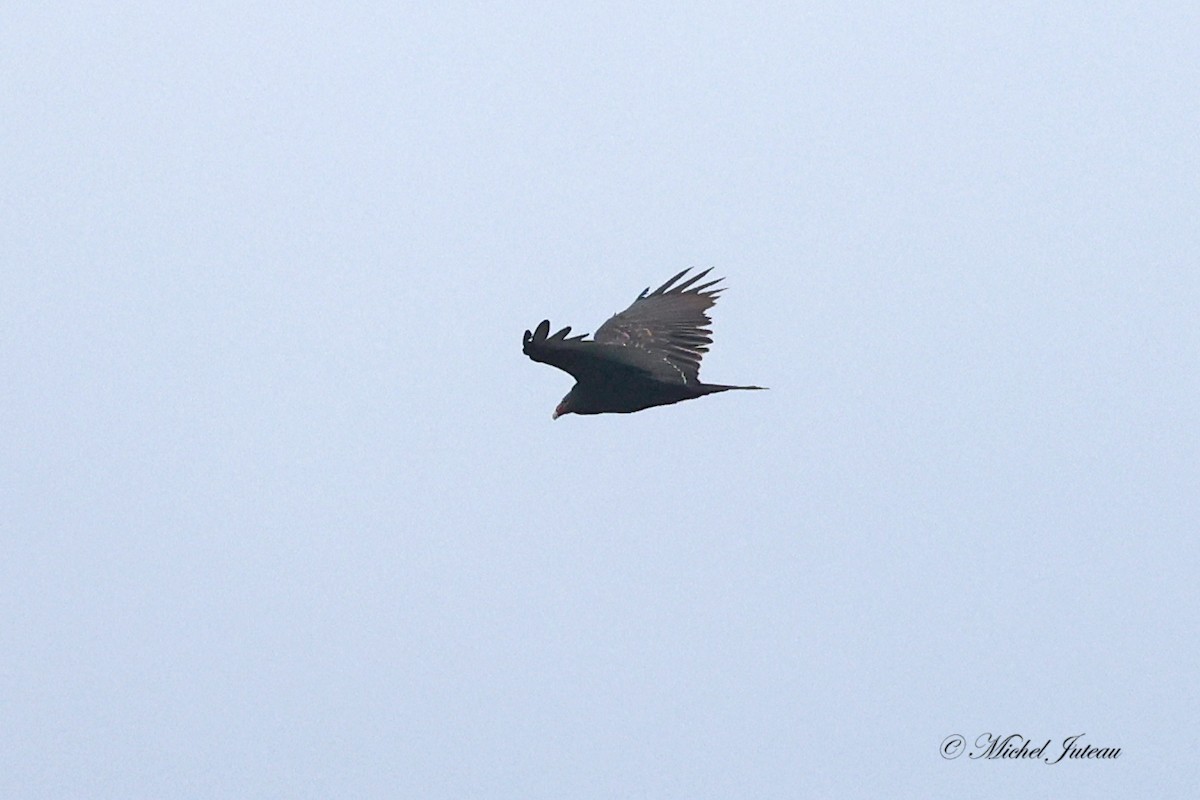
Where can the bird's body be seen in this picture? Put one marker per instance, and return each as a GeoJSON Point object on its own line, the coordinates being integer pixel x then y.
{"type": "Point", "coordinates": [648, 355]}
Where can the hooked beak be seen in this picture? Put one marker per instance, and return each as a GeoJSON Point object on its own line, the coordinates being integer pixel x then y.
{"type": "Point", "coordinates": [558, 411]}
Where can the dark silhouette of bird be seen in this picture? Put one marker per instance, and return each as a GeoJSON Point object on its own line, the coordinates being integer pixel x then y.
{"type": "Point", "coordinates": [647, 355]}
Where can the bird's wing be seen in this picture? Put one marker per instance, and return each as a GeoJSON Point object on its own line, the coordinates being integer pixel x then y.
{"type": "Point", "coordinates": [588, 361]}
{"type": "Point", "coordinates": [666, 331]}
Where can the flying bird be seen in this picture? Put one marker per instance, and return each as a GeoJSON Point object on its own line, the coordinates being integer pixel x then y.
{"type": "Point", "coordinates": [647, 355]}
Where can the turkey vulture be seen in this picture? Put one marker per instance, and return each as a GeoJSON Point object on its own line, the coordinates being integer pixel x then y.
{"type": "Point", "coordinates": [648, 355]}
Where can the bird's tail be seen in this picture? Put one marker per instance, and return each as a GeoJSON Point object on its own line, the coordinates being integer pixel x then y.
{"type": "Point", "coordinates": [713, 388]}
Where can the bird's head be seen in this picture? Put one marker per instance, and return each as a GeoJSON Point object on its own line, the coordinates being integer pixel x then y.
{"type": "Point", "coordinates": [566, 405]}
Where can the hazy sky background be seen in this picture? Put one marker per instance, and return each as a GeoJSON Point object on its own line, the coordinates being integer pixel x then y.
{"type": "Point", "coordinates": [285, 514]}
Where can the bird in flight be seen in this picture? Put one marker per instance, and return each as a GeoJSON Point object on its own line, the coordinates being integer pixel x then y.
{"type": "Point", "coordinates": [647, 355]}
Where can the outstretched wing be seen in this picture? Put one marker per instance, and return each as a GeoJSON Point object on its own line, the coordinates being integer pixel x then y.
{"type": "Point", "coordinates": [588, 361]}
{"type": "Point", "coordinates": [666, 332]}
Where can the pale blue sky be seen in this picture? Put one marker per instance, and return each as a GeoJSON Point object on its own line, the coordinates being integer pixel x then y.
{"type": "Point", "coordinates": [284, 512]}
